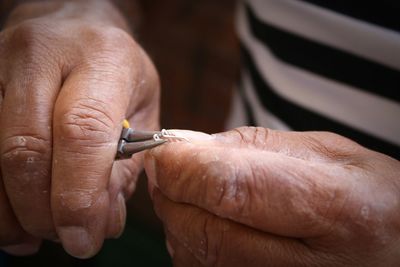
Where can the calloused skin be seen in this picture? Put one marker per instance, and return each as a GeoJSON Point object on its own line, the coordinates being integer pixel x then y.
{"type": "Point", "coordinates": [258, 197]}
{"type": "Point", "coordinates": [70, 72]}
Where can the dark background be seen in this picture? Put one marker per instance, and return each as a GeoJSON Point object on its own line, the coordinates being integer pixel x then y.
{"type": "Point", "coordinates": [195, 50]}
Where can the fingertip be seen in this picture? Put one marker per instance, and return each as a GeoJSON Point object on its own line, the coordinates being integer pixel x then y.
{"type": "Point", "coordinates": [175, 147]}
{"type": "Point", "coordinates": [121, 216]}
{"type": "Point", "coordinates": [117, 217]}
{"type": "Point", "coordinates": [77, 242]}
{"type": "Point", "coordinates": [25, 249]}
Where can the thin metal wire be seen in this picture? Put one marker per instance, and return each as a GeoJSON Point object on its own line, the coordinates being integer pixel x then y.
{"type": "Point", "coordinates": [166, 135]}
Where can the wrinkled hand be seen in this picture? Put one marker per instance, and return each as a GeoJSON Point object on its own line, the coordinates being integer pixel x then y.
{"type": "Point", "coordinates": [66, 85]}
{"type": "Point", "coordinates": [257, 197]}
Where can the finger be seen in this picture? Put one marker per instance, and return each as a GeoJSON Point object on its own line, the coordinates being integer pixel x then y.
{"type": "Point", "coordinates": [184, 258]}
{"type": "Point", "coordinates": [11, 232]}
{"type": "Point", "coordinates": [122, 184]}
{"type": "Point", "coordinates": [311, 146]}
{"type": "Point", "coordinates": [29, 246]}
{"type": "Point", "coordinates": [25, 141]}
{"type": "Point", "coordinates": [265, 190]}
{"type": "Point", "coordinates": [144, 112]}
{"type": "Point", "coordinates": [117, 211]}
{"type": "Point", "coordinates": [181, 256]}
{"type": "Point", "coordinates": [218, 242]}
{"type": "Point", "coordinates": [87, 123]}
{"type": "Point", "coordinates": [321, 146]}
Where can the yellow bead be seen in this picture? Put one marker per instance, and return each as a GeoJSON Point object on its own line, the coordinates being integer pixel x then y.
{"type": "Point", "coordinates": [125, 124]}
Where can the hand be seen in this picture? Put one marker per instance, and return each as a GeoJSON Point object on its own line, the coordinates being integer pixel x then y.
{"type": "Point", "coordinates": [68, 78]}
{"type": "Point", "coordinates": [257, 197]}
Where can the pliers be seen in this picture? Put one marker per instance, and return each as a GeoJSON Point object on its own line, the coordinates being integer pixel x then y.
{"type": "Point", "coordinates": [133, 141]}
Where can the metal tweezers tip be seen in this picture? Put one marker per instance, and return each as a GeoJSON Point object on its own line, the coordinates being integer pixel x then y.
{"type": "Point", "coordinates": [134, 147]}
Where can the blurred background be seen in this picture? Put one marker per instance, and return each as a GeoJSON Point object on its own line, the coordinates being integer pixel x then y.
{"type": "Point", "coordinates": [195, 50]}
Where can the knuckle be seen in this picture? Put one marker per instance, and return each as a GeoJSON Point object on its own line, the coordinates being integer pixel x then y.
{"type": "Point", "coordinates": [30, 37]}
{"type": "Point", "coordinates": [87, 122]}
{"type": "Point", "coordinates": [252, 135]}
{"type": "Point", "coordinates": [231, 191]}
{"type": "Point", "coordinates": [28, 46]}
{"type": "Point", "coordinates": [23, 150]}
{"type": "Point", "coordinates": [118, 36]}
{"type": "Point", "coordinates": [325, 147]}
{"type": "Point", "coordinates": [113, 53]}
{"type": "Point", "coordinates": [332, 146]}
{"type": "Point", "coordinates": [25, 32]}
{"type": "Point", "coordinates": [109, 41]}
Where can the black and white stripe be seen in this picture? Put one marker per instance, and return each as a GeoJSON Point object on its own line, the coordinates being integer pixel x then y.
{"type": "Point", "coordinates": [310, 68]}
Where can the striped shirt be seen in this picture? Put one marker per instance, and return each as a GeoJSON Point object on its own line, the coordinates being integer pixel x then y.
{"type": "Point", "coordinates": [321, 65]}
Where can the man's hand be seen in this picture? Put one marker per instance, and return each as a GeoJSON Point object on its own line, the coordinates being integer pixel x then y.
{"type": "Point", "coordinates": [69, 75]}
{"type": "Point", "coordinates": [257, 197]}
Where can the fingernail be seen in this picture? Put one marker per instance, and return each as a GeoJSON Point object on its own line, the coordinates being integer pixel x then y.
{"type": "Point", "coordinates": [122, 214]}
{"type": "Point", "coordinates": [170, 249]}
{"type": "Point", "coordinates": [76, 241]}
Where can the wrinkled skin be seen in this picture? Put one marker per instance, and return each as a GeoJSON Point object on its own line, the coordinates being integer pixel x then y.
{"type": "Point", "coordinates": [257, 197]}
{"type": "Point", "coordinates": [69, 74]}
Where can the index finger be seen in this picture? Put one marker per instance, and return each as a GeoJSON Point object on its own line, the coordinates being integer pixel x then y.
{"type": "Point", "coordinates": [262, 189]}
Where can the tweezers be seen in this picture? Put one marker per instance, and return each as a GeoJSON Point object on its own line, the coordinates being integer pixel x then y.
{"type": "Point", "coordinates": [133, 141]}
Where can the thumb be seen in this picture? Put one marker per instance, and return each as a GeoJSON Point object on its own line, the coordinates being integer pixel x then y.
{"type": "Point", "coordinates": [230, 176]}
